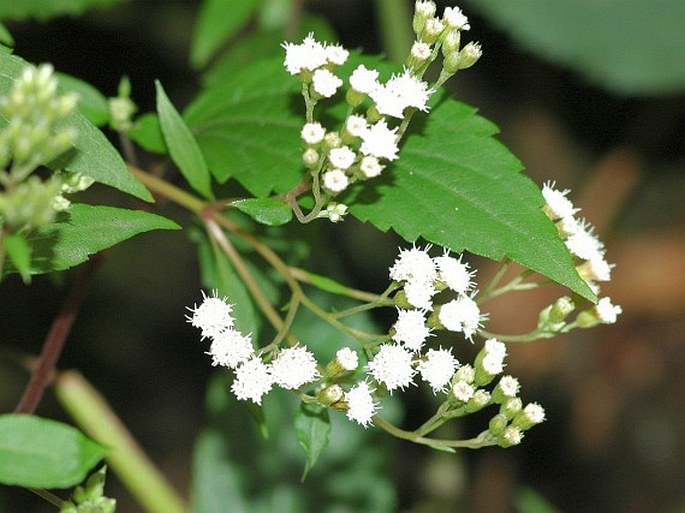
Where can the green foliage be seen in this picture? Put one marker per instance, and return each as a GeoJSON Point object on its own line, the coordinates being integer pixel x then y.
{"type": "Point", "coordinates": [93, 155]}
{"type": "Point", "coordinates": [147, 132]}
{"type": "Point", "coordinates": [467, 195]}
{"type": "Point", "coordinates": [313, 429]}
{"type": "Point", "coordinates": [529, 501]}
{"type": "Point", "coordinates": [19, 253]}
{"type": "Point", "coordinates": [218, 21]}
{"type": "Point", "coordinates": [602, 39]}
{"type": "Point", "coordinates": [43, 453]}
{"type": "Point", "coordinates": [43, 9]}
{"type": "Point", "coordinates": [247, 130]}
{"type": "Point", "coordinates": [85, 230]}
{"type": "Point", "coordinates": [182, 146]}
{"type": "Point", "coordinates": [6, 38]}
{"type": "Point", "coordinates": [266, 211]}
{"type": "Point", "coordinates": [90, 497]}
{"type": "Point", "coordinates": [91, 102]}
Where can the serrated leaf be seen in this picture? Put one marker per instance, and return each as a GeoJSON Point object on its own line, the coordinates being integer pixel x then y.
{"type": "Point", "coordinates": [43, 9]}
{"type": "Point", "coordinates": [456, 186]}
{"type": "Point", "coordinates": [43, 453]}
{"type": "Point", "coordinates": [19, 253]}
{"type": "Point", "coordinates": [217, 21]}
{"type": "Point", "coordinates": [92, 155]}
{"type": "Point", "coordinates": [91, 102]}
{"type": "Point", "coordinates": [247, 129]}
{"type": "Point", "coordinates": [268, 211]}
{"type": "Point", "coordinates": [182, 146]}
{"type": "Point", "coordinates": [313, 429]}
{"type": "Point", "coordinates": [86, 230]}
{"type": "Point", "coordinates": [147, 132]}
{"type": "Point", "coordinates": [599, 39]}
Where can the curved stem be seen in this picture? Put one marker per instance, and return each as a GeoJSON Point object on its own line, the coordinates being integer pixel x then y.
{"type": "Point", "coordinates": [534, 335]}
{"type": "Point", "coordinates": [482, 440]}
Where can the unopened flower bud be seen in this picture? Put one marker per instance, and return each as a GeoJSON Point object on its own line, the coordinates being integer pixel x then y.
{"type": "Point", "coordinates": [346, 360]}
{"type": "Point", "coordinates": [432, 31]}
{"type": "Point", "coordinates": [481, 398]}
{"type": "Point", "coordinates": [469, 55]}
{"type": "Point", "coordinates": [465, 373]}
{"type": "Point", "coordinates": [423, 11]}
{"type": "Point", "coordinates": [451, 40]}
{"type": "Point", "coordinates": [507, 388]}
{"type": "Point", "coordinates": [419, 54]}
{"type": "Point", "coordinates": [310, 158]}
{"type": "Point", "coordinates": [332, 140]}
{"type": "Point", "coordinates": [510, 436]}
{"type": "Point", "coordinates": [498, 424]}
{"type": "Point", "coordinates": [511, 407]}
{"type": "Point", "coordinates": [531, 415]}
{"type": "Point", "coordinates": [602, 313]}
{"type": "Point", "coordinates": [561, 309]}
{"type": "Point", "coordinates": [330, 395]}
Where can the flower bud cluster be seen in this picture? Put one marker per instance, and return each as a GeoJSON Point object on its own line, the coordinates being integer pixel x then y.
{"type": "Point", "coordinates": [291, 368]}
{"type": "Point", "coordinates": [369, 139]}
{"type": "Point", "coordinates": [589, 252]}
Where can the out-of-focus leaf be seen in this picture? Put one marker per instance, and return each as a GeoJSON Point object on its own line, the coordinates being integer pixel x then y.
{"type": "Point", "coordinates": [601, 39]}
{"type": "Point", "coordinates": [313, 429]}
{"type": "Point", "coordinates": [85, 230]}
{"type": "Point", "coordinates": [43, 9]}
{"type": "Point", "coordinates": [147, 132]}
{"type": "Point", "coordinates": [217, 21]}
{"type": "Point", "coordinates": [529, 501]}
{"type": "Point", "coordinates": [91, 102]}
{"type": "Point", "coordinates": [5, 36]}
{"type": "Point", "coordinates": [43, 453]}
{"type": "Point", "coordinates": [268, 211]}
{"type": "Point", "coordinates": [19, 252]}
{"type": "Point", "coordinates": [182, 146]}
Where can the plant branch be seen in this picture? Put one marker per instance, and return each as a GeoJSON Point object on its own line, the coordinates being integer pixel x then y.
{"type": "Point", "coordinates": [482, 440]}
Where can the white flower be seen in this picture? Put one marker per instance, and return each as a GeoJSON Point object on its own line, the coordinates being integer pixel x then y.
{"type": "Point", "coordinates": [493, 364]}
{"type": "Point", "coordinates": [380, 141]}
{"type": "Point", "coordinates": [294, 367]}
{"type": "Point", "coordinates": [335, 212]}
{"type": "Point", "coordinates": [364, 80]}
{"type": "Point", "coordinates": [420, 51]}
{"type": "Point", "coordinates": [584, 243]}
{"type": "Point", "coordinates": [414, 264]}
{"type": "Point", "coordinates": [466, 373]}
{"type": "Point", "coordinates": [336, 54]}
{"type": "Point", "coordinates": [392, 366]}
{"type": "Point", "coordinates": [312, 133]}
{"type": "Point", "coordinates": [253, 379]}
{"type": "Point", "coordinates": [410, 329]}
{"type": "Point", "coordinates": [400, 92]}
{"type": "Point", "coordinates": [335, 181]}
{"type": "Point", "coordinates": [360, 404]}
{"type": "Point", "coordinates": [596, 268]}
{"type": "Point", "coordinates": [567, 226]}
{"type": "Point", "coordinates": [342, 157]}
{"type": "Point", "coordinates": [419, 293]}
{"type": "Point", "coordinates": [463, 391]}
{"type": "Point", "coordinates": [347, 358]}
{"type": "Point", "coordinates": [511, 436]}
{"type": "Point", "coordinates": [433, 28]}
{"type": "Point", "coordinates": [509, 386]}
{"type": "Point", "coordinates": [212, 316]}
{"type": "Point", "coordinates": [461, 315]}
{"type": "Point", "coordinates": [606, 312]}
{"type": "Point", "coordinates": [438, 368]}
{"type": "Point", "coordinates": [356, 125]}
{"type": "Point", "coordinates": [230, 348]}
{"type": "Point", "coordinates": [557, 204]}
{"type": "Point", "coordinates": [370, 167]}
{"type": "Point", "coordinates": [454, 18]}
{"type": "Point", "coordinates": [454, 273]}
{"type": "Point", "coordinates": [425, 8]}
{"type": "Point", "coordinates": [494, 346]}
{"type": "Point", "coordinates": [534, 413]}
{"type": "Point", "coordinates": [309, 55]}
{"type": "Point", "coordinates": [325, 83]}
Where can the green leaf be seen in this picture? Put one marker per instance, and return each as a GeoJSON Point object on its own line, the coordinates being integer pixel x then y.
{"type": "Point", "coordinates": [43, 9]}
{"type": "Point", "coordinates": [313, 429]}
{"type": "Point", "coordinates": [217, 21]}
{"type": "Point", "coordinates": [19, 252]}
{"type": "Point", "coordinates": [217, 481]}
{"type": "Point", "coordinates": [91, 102]}
{"type": "Point", "coordinates": [456, 186]}
{"type": "Point", "coordinates": [85, 230]}
{"type": "Point", "coordinates": [266, 211]}
{"type": "Point", "coordinates": [247, 130]}
{"type": "Point", "coordinates": [93, 155]}
{"type": "Point", "coordinates": [147, 132]}
{"type": "Point", "coordinates": [43, 453]}
{"type": "Point", "coordinates": [5, 36]}
{"type": "Point", "coordinates": [183, 148]}
{"type": "Point", "coordinates": [599, 39]}
{"type": "Point", "coordinates": [326, 283]}
{"type": "Point", "coordinates": [529, 501]}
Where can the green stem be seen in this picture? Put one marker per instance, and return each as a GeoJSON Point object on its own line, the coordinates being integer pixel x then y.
{"type": "Point", "coordinates": [48, 496]}
{"type": "Point", "coordinates": [482, 440]}
{"type": "Point", "coordinates": [92, 413]}
{"type": "Point", "coordinates": [534, 335]}
{"type": "Point", "coordinates": [305, 276]}
{"type": "Point", "coordinates": [171, 192]}
{"type": "Point", "coordinates": [395, 20]}
{"type": "Point", "coordinates": [2, 252]}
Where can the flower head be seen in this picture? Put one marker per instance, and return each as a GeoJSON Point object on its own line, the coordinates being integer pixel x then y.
{"type": "Point", "coordinates": [463, 391]}
{"type": "Point", "coordinates": [454, 273]}
{"type": "Point", "coordinates": [607, 313]}
{"type": "Point", "coordinates": [584, 243]}
{"type": "Point", "coordinates": [309, 55]}
{"type": "Point", "coordinates": [455, 18]}
{"type": "Point", "coordinates": [400, 92]}
{"type": "Point", "coordinates": [419, 293]}
{"type": "Point", "coordinates": [294, 367]}
{"type": "Point", "coordinates": [356, 125]}
{"type": "Point", "coordinates": [212, 316]}
{"type": "Point", "coordinates": [557, 204]}
{"type": "Point", "coordinates": [380, 141]}
{"type": "Point", "coordinates": [253, 379]}
{"type": "Point", "coordinates": [392, 366]}
{"type": "Point", "coordinates": [361, 406]}
{"type": "Point", "coordinates": [325, 83]}
{"type": "Point", "coordinates": [370, 167]}
{"type": "Point", "coordinates": [312, 133]}
{"type": "Point", "coordinates": [335, 181]}
{"type": "Point", "coordinates": [336, 54]}
{"type": "Point", "coordinates": [414, 264]}
{"type": "Point", "coordinates": [347, 358]}
{"type": "Point", "coordinates": [364, 80]}
{"type": "Point", "coordinates": [461, 315]}
{"type": "Point", "coordinates": [438, 368]}
{"type": "Point", "coordinates": [410, 329]}
{"type": "Point", "coordinates": [342, 158]}
{"type": "Point", "coordinates": [230, 348]}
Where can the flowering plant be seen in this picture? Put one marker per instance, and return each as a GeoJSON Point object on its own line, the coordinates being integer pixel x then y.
{"type": "Point", "coordinates": [252, 163]}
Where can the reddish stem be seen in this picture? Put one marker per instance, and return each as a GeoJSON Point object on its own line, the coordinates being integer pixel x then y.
{"type": "Point", "coordinates": [54, 341]}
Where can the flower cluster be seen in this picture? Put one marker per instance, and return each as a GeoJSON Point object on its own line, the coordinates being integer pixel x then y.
{"type": "Point", "coordinates": [588, 250]}
{"type": "Point", "coordinates": [291, 368]}
{"type": "Point", "coordinates": [368, 140]}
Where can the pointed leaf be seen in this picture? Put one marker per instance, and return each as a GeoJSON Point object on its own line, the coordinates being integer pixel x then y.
{"type": "Point", "coordinates": [246, 128]}
{"type": "Point", "coordinates": [147, 132]}
{"type": "Point", "coordinates": [268, 211]}
{"type": "Point", "coordinates": [456, 186]}
{"type": "Point", "coordinates": [217, 21]}
{"type": "Point", "coordinates": [183, 148]}
{"type": "Point", "coordinates": [93, 155]}
{"type": "Point", "coordinates": [42, 453]}
{"type": "Point", "coordinates": [313, 429]}
{"type": "Point", "coordinates": [19, 252]}
{"type": "Point", "coordinates": [85, 230]}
